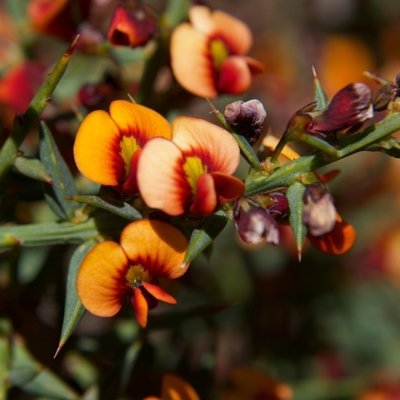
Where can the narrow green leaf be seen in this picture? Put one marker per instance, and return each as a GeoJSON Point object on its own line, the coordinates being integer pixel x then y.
{"type": "Point", "coordinates": [24, 123]}
{"type": "Point", "coordinates": [319, 93]}
{"type": "Point", "coordinates": [176, 12]}
{"type": "Point", "coordinates": [205, 233]}
{"type": "Point", "coordinates": [294, 195]}
{"type": "Point", "coordinates": [74, 310]}
{"type": "Point", "coordinates": [64, 185]}
{"type": "Point", "coordinates": [130, 358]}
{"type": "Point", "coordinates": [118, 207]}
{"type": "Point", "coordinates": [31, 262]}
{"type": "Point", "coordinates": [5, 331]}
{"type": "Point", "coordinates": [81, 370]}
{"type": "Point", "coordinates": [32, 168]}
{"type": "Point", "coordinates": [32, 377]}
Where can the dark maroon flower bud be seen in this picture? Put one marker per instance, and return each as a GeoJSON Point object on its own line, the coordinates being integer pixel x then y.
{"type": "Point", "coordinates": [386, 94]}
{"type": "Point", "coordinates": [255, 224]}
{"type": "Point", "coordinates": [319, 214]}
{"type": "Point", "coordinates": [132, 27]}
{"type": "Point", "coordinates": [280, 207]}
{"type": "Point", "coordinates": [351, 106]}
{"type": "Point", "coordinates": [247, 118]}
{"type": "Point", "coordinates": [98, 95]}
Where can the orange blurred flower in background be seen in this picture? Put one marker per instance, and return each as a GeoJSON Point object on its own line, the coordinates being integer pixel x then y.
{"type": "Point", "coordinates": [208, 55]}
{"type": "Point", "coordinates": [108, 145]}
{"type": "Point", "coordinates": [132, 27]}
{"type": "Point", "coordinates": [112, 272]}
{"type": "Point", "coordinates": [193, 171]}
{"type": "Point", "coordinates": [175, 388]}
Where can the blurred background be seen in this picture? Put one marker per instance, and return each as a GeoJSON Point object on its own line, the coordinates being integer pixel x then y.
{"type": "Point", "coordinates": [329, 327]}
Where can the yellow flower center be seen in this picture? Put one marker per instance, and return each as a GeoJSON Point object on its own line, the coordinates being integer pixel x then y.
{"type": "Point", "coordinates": [219, 53]}
{"type": "Point", "coordinates": [128, 146]}
{"type": "Point", "coordinates": [194, 168]}
{"type": "Point", "coordinates": [135, 275]}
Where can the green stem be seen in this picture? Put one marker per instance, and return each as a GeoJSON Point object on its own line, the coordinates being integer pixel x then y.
{"type": "Point", "coordinates": [288, 173]}
{"type": "Point", "coordinates": [59, 233]}
{"type": "Point", "coordinates": [25, 122]}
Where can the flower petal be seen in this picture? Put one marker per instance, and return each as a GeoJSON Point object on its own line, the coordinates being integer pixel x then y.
{"type": "Point", "coordinates": [216, 147]}
{"type": "Point", "coordinates": [235, 76]}
{"type": "Point", "coordinates": [220, 25]}
{"type": "Point", "coordinates": [141, 122]}
{"type": "Point", "coordinates": [101, 283]}
{"type": "Point", "coordinates": [140, 306]}
{"type": "Point", "coordinates": [227, 187]}
{"type": "Point", "coordinates": [339, 241]}
{"type": "Point", "coordinates": [96, 149]}
{"type": "Point", "coordinates": [156, 246]}
{"type": "Point", "coordinates": [174, 388]}
{"type": "Point", "coordinates": [158, 293]}
{"type": "Point", "coordinates": [205, 201]}
{"type": "Point", "coordinates": [191, 61]}
{"type": "Point", "coordinates": [130, 186]}
{"type": "Point", "coordinates": [161, 178]}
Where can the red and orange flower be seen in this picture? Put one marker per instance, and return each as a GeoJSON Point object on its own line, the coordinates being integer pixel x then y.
{"type": "Point", "coordinates": [208, 55]}
{"type": "Point", "coordinates": [192, 173]}
{"type": "Point", "coordinates": [112, 272]}
{"type": "Point", "coordinates": [108, 145]}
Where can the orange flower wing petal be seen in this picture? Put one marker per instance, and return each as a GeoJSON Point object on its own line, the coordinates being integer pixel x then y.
{"type": "Point", "coordinates": [158, 293]}
{"type": "Point", "coordinates": [140, 306]}
{"type": "Point", "coordinates": [141, 122]}
{"type": "Point", "coordinates": [191, 61]}
{"type": "Point", "coordinates": [205, 201]}
{"type": "Point", "coordinates": [216, 146]}
{"type": "Point", "coordinates": [339, 241]}
{"type": "Point", "coordinates": [227, 187]}
{"type": "Point", "coordinates": [161, 179]}
{"type": "Point", "coordinates": [157, 246]}
{"type": "Point", "coordinates": [235, 76]}
{"type": "Point", "coordinates": [96, 149]}
{"type": "Point", "coordinates": [101, 279]}
{"type": "Point", "coordinates": [175, 388]}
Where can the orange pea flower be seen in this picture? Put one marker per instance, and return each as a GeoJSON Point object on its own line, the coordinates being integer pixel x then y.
{"type": "Point", "coordinates": [191, 173]}
{"type": "Point", "coordinates": [208, 55]}
{"type": "Point", "coordinates": [175, 388]}
{"type": "Point", "coordinates": [336, 242]}
{"type": "Point", "coordinates": [108, 145]}
{"type": "Point", "coordinates": [112, 272]}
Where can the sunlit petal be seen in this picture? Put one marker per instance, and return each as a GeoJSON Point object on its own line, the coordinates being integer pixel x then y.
{"type": "Point", "coordinates": [205, 201]}
{"type": "Point", "coordinates": [141, 122]}
{"type": "Point", "coordinates": [140, 306]}
{"type": "Point", "coordinates": [175, 388]}
{"type": "Point", "coordinates": [158, 293]}
{"type": "Point", "coordinates": [101, 283]}
{"type": "Point", "coordinates": [156, 246]}
{"type": "Point", "coordinates": [96, 149]}
{"type": "Point", "coordinates": [339, 241]}
{"type": "Point", "coordinates": [161, 179]}
{"type": "Point", "coordinates": [227, 187]}
{"type": "Point", "coordinates": [235, 76]}
{"type": "Point", "coordinates": [215, 146]}
{"type": "Point", "coordinates": [191, 61]}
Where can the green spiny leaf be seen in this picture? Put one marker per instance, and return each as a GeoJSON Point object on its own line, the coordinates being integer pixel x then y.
{"type": "Point", "coordinates": [32, 168]}
{"type": "Point", "coordinates": [74, 310]}
{"type": "Point", "coordinates": [205, 233]}
{"type": "Point", "coordinates": [294, 195]}
{"type": "Point", "coordinates": [319, 93]}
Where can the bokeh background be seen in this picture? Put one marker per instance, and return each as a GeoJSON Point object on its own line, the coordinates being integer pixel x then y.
{"type": "Point", "coordinates": [329, 326]}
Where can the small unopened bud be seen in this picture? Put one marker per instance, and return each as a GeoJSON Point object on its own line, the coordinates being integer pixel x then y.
{"type": "Point", "coordinates": [247, 118]}
{"type": "Point", "coordinates": [319, 214]}
{"type": "Point", "coordinates": [386, 94]}
{"type": "Point", "coordinates": [351, 106]}
{"type": "Point", "coordinates": [255, 224]}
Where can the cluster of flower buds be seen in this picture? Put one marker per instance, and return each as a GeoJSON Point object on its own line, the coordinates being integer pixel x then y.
{"type": "Point", "coordinates": [255, 217]}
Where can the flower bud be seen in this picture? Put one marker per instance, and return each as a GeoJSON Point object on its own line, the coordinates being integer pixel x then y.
{"type": "Point", "coordinates": [351, 106]}
{"type": "Point", "coordinates": [319, 213]}
{"type": "Point", "coordinates": [247, 118]}
{"type": "Point", "coordinates": [386, 94]}
{"type": "Point", "coordinates": [254, 224]}
{"type": "Point", "coordinates": [132, 27]}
